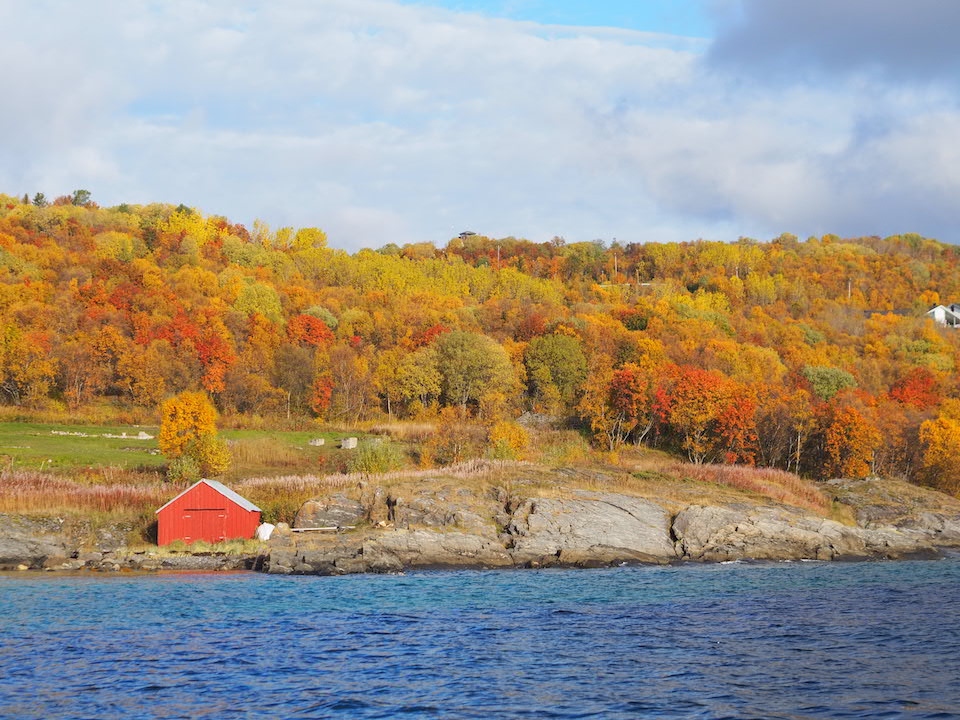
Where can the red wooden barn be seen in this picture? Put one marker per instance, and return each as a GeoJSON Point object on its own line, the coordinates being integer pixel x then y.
{"type": "Point", "coordinates": [208, 511]}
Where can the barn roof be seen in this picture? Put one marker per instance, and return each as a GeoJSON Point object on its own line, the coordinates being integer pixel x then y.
{"type": "Point", "coordinates": [220, 488]}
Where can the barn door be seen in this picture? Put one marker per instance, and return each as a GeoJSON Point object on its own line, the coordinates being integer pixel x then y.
{"type": "Point", "coordinates": [209, 525]}
{"type": "Point", "coordinates": [214, 523]}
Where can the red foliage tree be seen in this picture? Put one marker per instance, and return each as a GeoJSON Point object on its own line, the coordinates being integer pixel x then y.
{"type": "Point", "coordinates": [321, 394]}
{"type": "Point", "coordinates": [737, 430]}
{"type": "Point", "coordinates": [309, 330]}
{"type": "Point", "coordinates": [428, 335]}
{"type": "Point", "coordinates": [918, 387]}
{"type": "Point", "coordinates": [632, 395]}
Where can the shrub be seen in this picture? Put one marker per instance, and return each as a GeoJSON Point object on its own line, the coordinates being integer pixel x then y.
{"type": "Point", "coordinates": [456, 440]}
{"type": "Point", "coordinates": [184, 468]}
{"type": "Point", "coordinates": [376, 457]}
{"type": "Point", "coordinates": [210, 453]}
{"type": "Point", "coordinates": [188, 432]}
{"type": "Point", "coordinates": [508, 440]}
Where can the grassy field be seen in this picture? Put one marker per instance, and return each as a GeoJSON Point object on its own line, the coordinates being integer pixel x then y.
{"type": "Point", "coordinates": [41, 446]}
{"type": "Point", "coordinates": [55, 447]}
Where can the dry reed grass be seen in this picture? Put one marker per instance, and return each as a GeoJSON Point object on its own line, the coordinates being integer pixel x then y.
{"type": "Point", "coordinates": [779, 485]}
{"type": "Point", "coordinates": [28, 491]}
{"type": "Point", "coordinates": [93, 415]}
{"type": "Point", "coordinates": [263, 452]}
{"type": "Point", "coordinates": [335, 481]}
{"type": "Point", "coordinates": [404, 431]}
{"type": "Point", "coordinates": [254, 421]}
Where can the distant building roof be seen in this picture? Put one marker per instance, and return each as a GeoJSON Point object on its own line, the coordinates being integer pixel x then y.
{"type": "Point", "coordinates": [467, 233]}
{"type": "Point", "coordinates": [901, 313]}
{"type": "Point", "coordinates": [223, 490]}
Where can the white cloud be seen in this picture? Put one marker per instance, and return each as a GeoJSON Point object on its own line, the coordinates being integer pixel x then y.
{"type": "Point", "coordinates": [383, 122]}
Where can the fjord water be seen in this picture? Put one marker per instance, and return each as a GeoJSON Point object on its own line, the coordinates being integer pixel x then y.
{"type": "Point", "coordinates": [790, 640]}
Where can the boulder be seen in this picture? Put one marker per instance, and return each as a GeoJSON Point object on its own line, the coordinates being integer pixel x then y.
{"type": "Point", "coordinates": [327, 557]}
{"type": "Point", "coordinates": [349, 443]}
{"type": "Point", "coordinates": [380, 560]}
{"type": "Point", "coordinates": [446, 508]}
{"type": "Point", "coordinates": [334, 511]}
{"type": "Point", "coordinates": [375, 503]}
{"type": "Point", "coordinates": [317, 442]}
{"type": "Point", "coordinates": [899, 543]}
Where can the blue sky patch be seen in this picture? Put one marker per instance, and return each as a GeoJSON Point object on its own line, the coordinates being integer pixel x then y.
{"type": "Point", "coordinates": [675, 17]}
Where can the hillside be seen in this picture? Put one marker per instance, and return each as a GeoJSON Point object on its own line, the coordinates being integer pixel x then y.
{"type": "Point", "coordinates": [809, 356]}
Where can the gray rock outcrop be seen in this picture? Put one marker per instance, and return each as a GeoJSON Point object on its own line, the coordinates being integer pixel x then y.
{"type": "Point", "coordinates": [712, 533]}
{"type": "Point", "coordinates": [30, 541]}
{"type": "Point", "coordinates": [608, 525]}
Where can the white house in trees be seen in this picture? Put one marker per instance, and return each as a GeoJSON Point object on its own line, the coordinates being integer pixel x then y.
{"type": "Point", "coordinates": [948, 315]}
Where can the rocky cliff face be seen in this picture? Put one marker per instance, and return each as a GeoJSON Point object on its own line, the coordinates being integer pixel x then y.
{"type": "Point", "coordinates": [439, 524]}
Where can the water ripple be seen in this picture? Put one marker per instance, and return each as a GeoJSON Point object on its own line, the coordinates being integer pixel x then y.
{"type": "Point", "coordinates": [788, 641]}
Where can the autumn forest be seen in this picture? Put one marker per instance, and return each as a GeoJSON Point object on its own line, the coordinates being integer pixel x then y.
{"type": "Point", "coordinates": [812, 356]}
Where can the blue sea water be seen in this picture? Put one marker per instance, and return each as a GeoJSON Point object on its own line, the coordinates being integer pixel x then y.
{"type": "Point", "coordinates": [790, 640]}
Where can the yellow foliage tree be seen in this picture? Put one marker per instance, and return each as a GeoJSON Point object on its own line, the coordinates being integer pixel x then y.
{"type": "Point", "coordinates": [940, 438]}
{"type": "Point", "coordinates": [184, 418]}
{"type": "Point", "coordinates": [188, 436]}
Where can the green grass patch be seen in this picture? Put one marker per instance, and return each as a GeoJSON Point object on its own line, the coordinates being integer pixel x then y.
{"type": "Point", "coordinates": [178, 547]}
{"type": "Point", "coordinates": [65, 448]}
{"type": "Point", "coordinates": [57, 447]}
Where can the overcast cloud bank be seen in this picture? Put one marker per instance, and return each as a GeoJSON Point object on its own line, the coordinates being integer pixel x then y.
{"type": "Point", "coordinates": [384, 123]}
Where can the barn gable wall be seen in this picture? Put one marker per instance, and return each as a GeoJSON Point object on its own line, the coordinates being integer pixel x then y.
{"type": "Point", "coordinates": [202, 513]}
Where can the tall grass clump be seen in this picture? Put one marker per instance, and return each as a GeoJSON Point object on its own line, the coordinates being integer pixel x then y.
{"type": "Point", "coordinates": [779, 485]}
{"type": "Point", "coordinates": [376, 457]}
{"type": "Point", "coordinates": [264, 452]}
{"type": "Point", "coordinates": [405, 431]}
{"type": "Point", "coordinates": [560, 448]}
{"type": "Point", "coordinates": [93, 415]}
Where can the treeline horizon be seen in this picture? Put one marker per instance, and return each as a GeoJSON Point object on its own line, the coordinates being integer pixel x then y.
{"type": "Point", "coordinates": [811, 356]}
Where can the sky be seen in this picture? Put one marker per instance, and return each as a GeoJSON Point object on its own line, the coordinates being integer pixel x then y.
{"type": "Point", "coordinates": [410, 121]}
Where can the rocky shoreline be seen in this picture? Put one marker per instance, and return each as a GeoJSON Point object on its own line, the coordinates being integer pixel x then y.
{"type": "Point", "coordinates": [595, 529]}
{"type": "Point", "coordinates": [443, 525]}
{"type": "Point", "coordinates": [455, 527]}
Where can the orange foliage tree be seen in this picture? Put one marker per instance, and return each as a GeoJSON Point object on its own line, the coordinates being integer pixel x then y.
{"type": "Point", "coordinates": [849, 443]}
{"type": "Point", "coordinates": [939, 438]}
